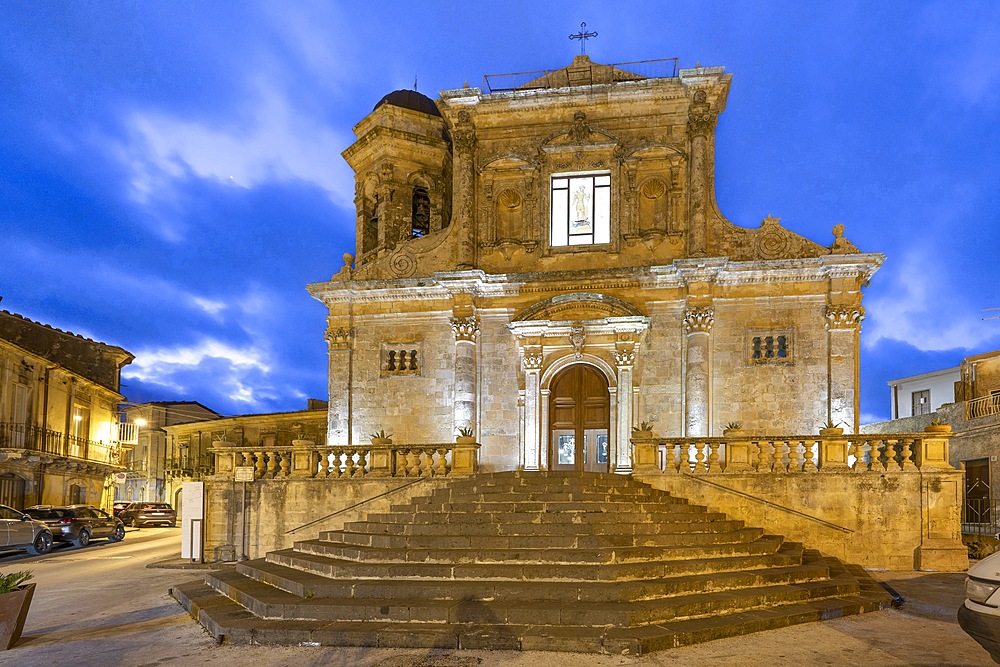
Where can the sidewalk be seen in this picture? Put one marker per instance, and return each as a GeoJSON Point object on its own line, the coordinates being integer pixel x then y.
{"type": "Point", "coordinates": [144, 626]}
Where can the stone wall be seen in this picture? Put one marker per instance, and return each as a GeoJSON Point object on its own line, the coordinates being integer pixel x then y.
{"type": "Point", "coordinates": [906, 520]}
{"type": "Point", "coordinates": [272, 508]}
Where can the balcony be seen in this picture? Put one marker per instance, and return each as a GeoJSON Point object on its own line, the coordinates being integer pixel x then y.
{"type": "Point", "coordinates": [193, 467]}
{"type": "Point", "coordinates": [34, 439]}
{"type": "Point", "coordinates": [983, 406]}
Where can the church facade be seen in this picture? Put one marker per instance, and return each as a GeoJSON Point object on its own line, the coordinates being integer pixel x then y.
{"type": "Point", "coordinates": [541, 264]}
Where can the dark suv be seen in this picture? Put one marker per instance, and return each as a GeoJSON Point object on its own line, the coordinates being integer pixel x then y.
{"type": "Point", "coordinates": [78, 523]}
{"type": "Point", "coordinates": [149, 514]}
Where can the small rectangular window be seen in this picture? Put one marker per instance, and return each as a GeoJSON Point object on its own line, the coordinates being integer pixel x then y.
{"type": "Point", "coordinates": [767, 347]}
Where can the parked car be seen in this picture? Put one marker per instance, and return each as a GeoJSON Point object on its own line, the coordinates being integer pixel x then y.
{"type": "Point", "coordinates": [20, 531]}
{"type": "Point", "coordinates": [979, 616]}
{"type": "Point", "coordinates": [117, 508]}
{"type": "Point", "coordinates": [78, 523]}
{"type": "Point", "coordinates": [149, 514]}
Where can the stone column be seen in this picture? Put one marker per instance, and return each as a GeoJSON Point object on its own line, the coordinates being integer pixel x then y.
{"type": "Point", "coordinates": [701, 121]}
{"type": "Point", "coordinates": [624, 360]}
{"type": "Point", "coordinates": [338, 428]}
{"type": "Point", "coordinates": [465, 329]}
{"type": "Point", "coordinates": [843, 326]}
{"type": "Point", "coordinates": [698, 326]}
{"type": "Point", "coordinates": [532, 364]}
{"type": "Point", "coordinates": [464, 140]}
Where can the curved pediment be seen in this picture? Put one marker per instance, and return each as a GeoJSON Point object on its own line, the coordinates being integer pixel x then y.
{"type": "Point", "coordinates": [509, 162]}
{"type": "Point", "coordinates": [578, 307]}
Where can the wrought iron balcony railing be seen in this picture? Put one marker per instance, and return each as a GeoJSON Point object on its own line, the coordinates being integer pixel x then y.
{"type": "Point", "coordinates": [15, 435]}
{"type": "Point", "coordinates": [982, 406]}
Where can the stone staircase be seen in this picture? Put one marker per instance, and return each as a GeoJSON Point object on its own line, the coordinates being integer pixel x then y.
{"type": "Point", "coordinates": [530, 561]}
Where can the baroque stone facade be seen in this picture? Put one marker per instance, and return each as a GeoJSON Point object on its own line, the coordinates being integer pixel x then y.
{"type": "Point", "coordinates": [508, 238]}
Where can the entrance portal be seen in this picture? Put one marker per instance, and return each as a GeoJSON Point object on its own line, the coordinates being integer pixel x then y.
{"type": "Point", "coordinates": [580, 413]}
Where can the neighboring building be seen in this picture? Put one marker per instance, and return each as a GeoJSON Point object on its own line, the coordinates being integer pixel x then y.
{"type": "Point", "coordinates": [922, 394]}
{"type": "Point", "coordinates": [543, 262]}
{"type": "Point", "coordinates": [974, 416]}
{"type": "Point", "coordinates": [148, 463]}
{"type": "Point", "coordinates": [59, 428]}
{"type": "Point", "coordinates": [189, 445]}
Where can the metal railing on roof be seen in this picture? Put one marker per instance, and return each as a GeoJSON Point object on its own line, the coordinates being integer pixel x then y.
{"type": "Point", "coordinates": [663, 68]}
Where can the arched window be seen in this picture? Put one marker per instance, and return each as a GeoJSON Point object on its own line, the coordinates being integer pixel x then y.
{"type": "Point", "coordinates": [369, 240]}
{"type": "Point", "coordinates": [421, 217]}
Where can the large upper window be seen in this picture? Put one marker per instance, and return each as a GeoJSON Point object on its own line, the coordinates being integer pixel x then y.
{"type": "Point", "coordinates": [581, 209]}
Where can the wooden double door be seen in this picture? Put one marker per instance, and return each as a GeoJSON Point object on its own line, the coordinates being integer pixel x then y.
{"type": "Point", "coordinates": [579, 420]}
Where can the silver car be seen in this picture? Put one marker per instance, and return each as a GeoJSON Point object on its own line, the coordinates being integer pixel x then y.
{"type": "Point", "coordinates": [20, 531]}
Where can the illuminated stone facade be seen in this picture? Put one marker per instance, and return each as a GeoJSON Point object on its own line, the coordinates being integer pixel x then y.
{"type": "Point", "coordinates": [507, 235]}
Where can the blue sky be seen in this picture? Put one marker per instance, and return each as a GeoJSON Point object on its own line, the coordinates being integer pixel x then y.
{"type": "Point", "coordinates": [171, 179]}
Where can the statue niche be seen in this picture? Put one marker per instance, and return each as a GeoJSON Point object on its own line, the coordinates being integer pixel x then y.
{"type": "Point", "coordinates": [654, 207]}
{"type": "Point", "coordinates": [509, 215]}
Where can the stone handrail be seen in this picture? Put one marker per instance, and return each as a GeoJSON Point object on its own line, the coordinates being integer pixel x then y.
{"type": "Point", "coordinates": [791, 454]}
{"type": "Point", "coordinates": [305, 459]}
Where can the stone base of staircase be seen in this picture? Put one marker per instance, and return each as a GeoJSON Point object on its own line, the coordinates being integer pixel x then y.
{"type": "Point", "coordinates": [530, 561]}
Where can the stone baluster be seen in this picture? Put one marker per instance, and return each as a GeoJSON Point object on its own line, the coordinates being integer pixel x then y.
{"type": "Point", "coordinates": [906, 454]}
{"type": "Point", "coordinates": [858, 452]}
{"type": "Point", "coordinates": [670, 464]}
{"type": "Point", "coordinates": [284, 464]}
{"type": "Point", "coordinates": [713, 457]}
{"type": "Point", "coordinates": [260, 464]}
{"type": "Point", "coordinates": [361, 465]}
{"type": "Point", "coordinates": [811, 463]}
{"type": "Point", "coordinates": [763, 458]}
{"type": "Point", "coordinates": [441, 469]}
{"type": "Point", "coordinates": [699, 457]}
{"type": "Point", "coordinates": [778, 464]}
{"type": "Point", "coordinates": [698, 323]}
{"type": "Point", "coordinates": [892, 463]}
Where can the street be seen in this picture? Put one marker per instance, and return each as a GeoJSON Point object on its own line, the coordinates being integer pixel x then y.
{"type": "Point", "coordinates": [102, 605]}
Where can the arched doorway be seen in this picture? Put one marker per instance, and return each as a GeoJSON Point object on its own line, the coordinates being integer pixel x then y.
{"type": "Point", "coordinates": [580, 416]}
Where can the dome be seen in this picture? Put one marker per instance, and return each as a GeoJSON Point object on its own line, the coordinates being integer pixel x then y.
{"type": "Point", "coordinates": [410, 99]}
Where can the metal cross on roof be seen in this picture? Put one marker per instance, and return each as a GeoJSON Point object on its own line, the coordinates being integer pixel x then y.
{"type": "Point", "coordinates": [583, 36]}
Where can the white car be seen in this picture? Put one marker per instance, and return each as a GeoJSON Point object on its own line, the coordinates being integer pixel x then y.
{"type": "Point", "coordinates": [979, 616]}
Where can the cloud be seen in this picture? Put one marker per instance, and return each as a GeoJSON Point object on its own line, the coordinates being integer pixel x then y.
{"type": "Point", "coordinates": [273, 143]}
{"type": "Point", "coordinates": [923, 306]}
{"type": "Point", "coordinates": [232, 369]}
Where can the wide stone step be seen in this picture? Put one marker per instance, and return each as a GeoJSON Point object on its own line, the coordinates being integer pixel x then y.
{"type": "Point", "coordinates": [228, 622]}
{"type": "Point", "coordinates": [268, 601]}
{"type": "Point", "coordinates": [513, 505]}
{"type": "Point", "coordinates": [510, 528]}
{"type": "Point", "coordinates": [587, 517]}
{"type": "Point", "coordinates": [540, 541]}
{"type": "Point", "coordinates": [308, 585]}
{"type": "Point", "coordinates": [612, 565]}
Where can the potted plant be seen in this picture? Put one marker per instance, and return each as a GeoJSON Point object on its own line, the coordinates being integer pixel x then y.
{"type": "Point", "coordinates": [937, 425]}
{"type": "Point", "coordinates": [222, 439]}
{"type": "Point", "coordinates": [15, 598]}
{"type": "Point", "coordinates": [733, 429]}
{"type": "Point", "coordinates": [465, 436]}
{"type": "Point", "coordinates": [381, 438]}
{"type": "Point", "coordinates": [643, 430]}
{"type": "Point", "coordinates": [830, 428]}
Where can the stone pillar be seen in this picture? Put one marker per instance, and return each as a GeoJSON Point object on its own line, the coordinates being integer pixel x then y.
{"type": "Point", "coordinates": [464, 140]}
{"type": "Point", "coordinates": [701, 121]}
{"type": "Point", "coordinates": [465, 329]}
{"type": "Point", "coordinates": [338, 429]}
{"type": "Point", "coordinates": [532, 364]}
{"type": "Point", "coordinates": [698, 326]}
{"type": "Point", "coordinates": [624, 360]}
{"type": "Point", "coordinates": [843, 326]}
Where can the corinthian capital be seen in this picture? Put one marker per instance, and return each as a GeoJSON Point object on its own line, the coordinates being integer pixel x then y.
{"type": "Point", "coordinates": [339, 338]}
{"type": "Point", "coordinates": [465, 328]}
{"type": "Point", "coordinates": [699, 319]}
{"type": "Point", "coordinates": [844, 317]}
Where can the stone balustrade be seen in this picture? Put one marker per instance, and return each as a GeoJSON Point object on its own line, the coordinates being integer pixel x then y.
{"type": "Point", "coordinates": [790, 454]}
{"type": "Point", "coordinates": [304, 459]}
